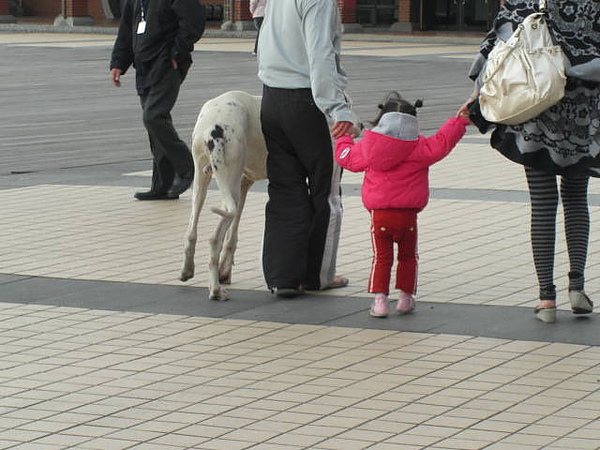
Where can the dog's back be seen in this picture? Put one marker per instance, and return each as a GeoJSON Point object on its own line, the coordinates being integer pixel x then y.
{"type": "Point", "coordinates": [228, 135]}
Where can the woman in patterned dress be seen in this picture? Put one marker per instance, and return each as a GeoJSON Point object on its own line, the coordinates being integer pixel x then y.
{"type": "Point", "coordinates": [562, 142]}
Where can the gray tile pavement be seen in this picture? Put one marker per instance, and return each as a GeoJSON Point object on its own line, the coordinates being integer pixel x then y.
{"type": "Point", "coordinates": [59, 97]}
{"type": "Point", "coordinates": [63, 90]}
{"type": "Point", "coordinates": [102, 346]}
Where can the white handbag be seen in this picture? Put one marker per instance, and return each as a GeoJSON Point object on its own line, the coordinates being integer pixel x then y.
{"type": "Point", "coordinates": [525, 75]}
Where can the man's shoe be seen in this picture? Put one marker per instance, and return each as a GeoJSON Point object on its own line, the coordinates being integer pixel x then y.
{"type": "Point", "coordinates": [181, 183]}
{"type": "Point", "coordinates": [287, 292]}
{"type": "Point", "coordinates": [152, 195]}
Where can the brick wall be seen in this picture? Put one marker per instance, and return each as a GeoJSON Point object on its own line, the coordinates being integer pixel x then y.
{"type": "Point", "coordinates": [52, 8]}
{"type": "Point", "coordinates": [77, 8]}
{"type": "Point", "coordinates": [241, 10]}
{"type": "Point", "coordinates": [404, 11]}
{"type": "Point", "coordinates": [347, 10]}
{"type": "Point", "coordinates": [96, 11]}
{"type": "Point", "coordinates": [42, 8]}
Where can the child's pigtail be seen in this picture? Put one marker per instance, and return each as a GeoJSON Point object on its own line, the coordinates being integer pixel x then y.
{"type": "Point", "coordinates": [394, 102]}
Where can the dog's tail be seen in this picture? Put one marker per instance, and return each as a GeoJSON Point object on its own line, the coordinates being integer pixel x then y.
{"type": "Point", "coordinates": [223, 213]}
{"type": "Point", "coordinates": [216, 148]}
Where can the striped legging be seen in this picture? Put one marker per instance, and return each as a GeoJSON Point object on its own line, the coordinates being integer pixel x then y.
{"type": "Point", "coordinates": [544, 203]}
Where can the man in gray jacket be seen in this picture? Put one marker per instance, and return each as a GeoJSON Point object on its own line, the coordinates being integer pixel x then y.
{"type": "Point", "coordinates": [299, 65]}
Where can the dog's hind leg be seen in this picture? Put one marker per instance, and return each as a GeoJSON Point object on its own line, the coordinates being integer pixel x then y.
{"type": "Point", "coordinates": [227, 213]}
{"type": "Point", "coordinates": [226, 259]}
{"type": "Point", "coordinates": [202, 178]}
{"type": "Point", "coordinates": [227, 160]}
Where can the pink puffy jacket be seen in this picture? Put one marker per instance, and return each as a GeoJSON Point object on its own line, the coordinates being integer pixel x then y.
{"type": "Point", "coordinates": [397, 170]}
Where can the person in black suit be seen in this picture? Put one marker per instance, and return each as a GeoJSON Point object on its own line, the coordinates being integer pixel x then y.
{"type": "Point", "coordinates": [157, 38]}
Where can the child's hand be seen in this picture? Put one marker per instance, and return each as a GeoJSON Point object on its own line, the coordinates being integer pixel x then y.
{"type": "Point", "coordinates": [464, 115]}
{"type": "Point", "coordinates": [357, 130]}
{"type": "Point", "coordinates": [463, 111]}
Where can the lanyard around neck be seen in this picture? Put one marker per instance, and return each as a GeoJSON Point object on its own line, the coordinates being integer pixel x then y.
{"type": "Point", "coordinates": [143, 8]}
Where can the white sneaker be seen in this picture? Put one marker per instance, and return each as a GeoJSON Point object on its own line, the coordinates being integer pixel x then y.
{"type": "Point", "coordinates": [406, 303]}
{"type": "Point", "coordinates": [380, 306]}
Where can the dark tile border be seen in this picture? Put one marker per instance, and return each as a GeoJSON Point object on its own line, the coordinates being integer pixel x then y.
{"type": "Point", "coordinates": [503, 322]}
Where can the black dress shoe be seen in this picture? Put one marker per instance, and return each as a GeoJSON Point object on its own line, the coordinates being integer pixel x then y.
{"type": "Point", "coordinates": [152, 195]}
{"type": "Point", "coordinates": [181, 183]}
{"type": "Point", "coordinates": [287, 292]}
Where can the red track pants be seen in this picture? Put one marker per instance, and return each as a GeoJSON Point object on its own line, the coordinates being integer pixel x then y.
{"type": "Point", "coordinates": [389, 226]}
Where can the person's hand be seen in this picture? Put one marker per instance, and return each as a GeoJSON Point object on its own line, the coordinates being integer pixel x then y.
{"type": "Point", "coordinates": [342, 128]}
{"type": "Point", "coordinates": [115, 76]}
{"type": "Point", "coordinates": [174, 64]}
{"type": "Point", "coordinates": [463, 111]}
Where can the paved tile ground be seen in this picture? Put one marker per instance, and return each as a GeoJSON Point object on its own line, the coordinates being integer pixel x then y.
{"type": "Point", "coordinates": [473, 250]}
{"type": "Point", "coordinates": [102, 347]}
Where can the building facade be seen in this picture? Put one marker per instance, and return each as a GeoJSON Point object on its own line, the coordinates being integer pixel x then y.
{"type": "Point", "coordinates": [397, 15]}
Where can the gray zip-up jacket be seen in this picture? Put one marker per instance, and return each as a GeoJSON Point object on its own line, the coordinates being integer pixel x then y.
{"type": "Point", "coordinates": [299, 47]}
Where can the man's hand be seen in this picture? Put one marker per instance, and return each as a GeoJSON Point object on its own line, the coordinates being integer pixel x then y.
{"type": "Point", "coordinates": [340, 129]}
{"type": "Point", "coordinates": [115, 76]}
{"type": "Point", "coordinates": [174, 64]}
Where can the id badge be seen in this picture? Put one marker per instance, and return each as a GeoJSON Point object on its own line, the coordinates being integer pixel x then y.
{"type": "Point", "coordinates": [141, 29]}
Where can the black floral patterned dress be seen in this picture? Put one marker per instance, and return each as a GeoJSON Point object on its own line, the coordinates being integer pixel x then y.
{"type": "Point", "coordinates": [565, 139]}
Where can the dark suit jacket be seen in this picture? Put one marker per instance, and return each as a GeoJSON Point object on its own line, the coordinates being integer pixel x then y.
{"type": "Point", "coordinates": [171, 29]}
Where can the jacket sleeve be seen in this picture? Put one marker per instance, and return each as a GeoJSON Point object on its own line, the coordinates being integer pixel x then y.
{"type": "Point", "coordinates": [122, 53]}
{"type": "Point", "coordinates": [436, 147]}
{"type": "Point", "coordinates": [349, 154]}
{"type": "Point", "coordinates": [191, 18]}
{"type": "Point", "coordinates": [321, 25]}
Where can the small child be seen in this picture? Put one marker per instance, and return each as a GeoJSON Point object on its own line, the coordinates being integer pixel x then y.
{"type": "Point", "coordinates": [396, 160]}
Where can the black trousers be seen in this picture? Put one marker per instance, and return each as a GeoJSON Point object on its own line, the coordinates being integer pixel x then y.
{"type": "Point", "coordinates": [171, 155]}
{"type": "Point", "coordinates": [301, 220]}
